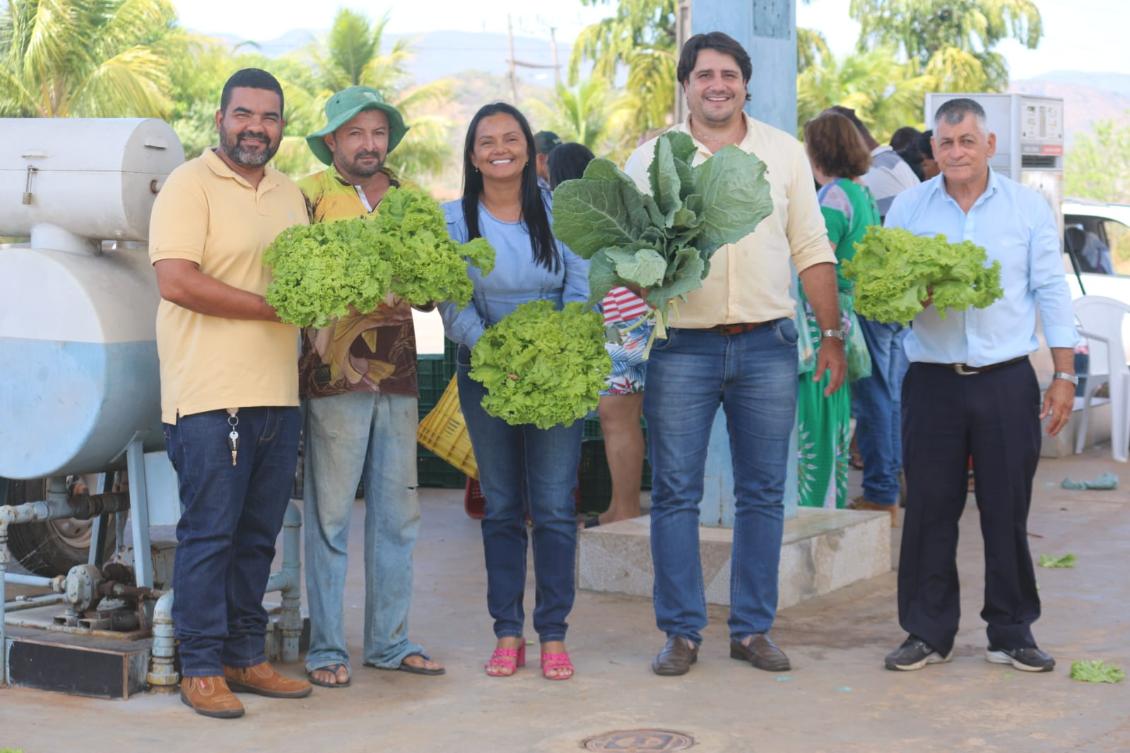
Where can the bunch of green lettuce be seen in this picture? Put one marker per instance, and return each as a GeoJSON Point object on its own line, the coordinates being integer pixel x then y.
{"type": "Point", "coordinates": [427, 265]}
{"type": "Point", "coordinates": [1096, 670]}
{"type": "Point", "coordinates": [541, 366]}
{"type": "Point", "coordinates": [895, 271]}
{"type": "Point", "coordinates": [322, 270]}
{"type": "Point", "coordinates": [661, 241]}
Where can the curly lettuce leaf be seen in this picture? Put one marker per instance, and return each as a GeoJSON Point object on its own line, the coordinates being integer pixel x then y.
{"type": "Point", "coordinates": [895, 271]}
{"type": "Point", "coordinates": [541, 366]}
{"type": "Point", "coordinates": [322, 271]}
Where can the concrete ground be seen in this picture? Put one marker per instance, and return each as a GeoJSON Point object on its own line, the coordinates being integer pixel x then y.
{"type": "Point", "coordinates": [837, 699]}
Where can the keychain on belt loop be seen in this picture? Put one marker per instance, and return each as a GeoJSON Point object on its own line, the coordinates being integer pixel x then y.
{"type": "Point", "coordinates": [233, 436]}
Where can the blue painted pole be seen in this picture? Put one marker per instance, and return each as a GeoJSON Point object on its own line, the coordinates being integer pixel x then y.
{"type": "Point", "coordinates": [767, 30]}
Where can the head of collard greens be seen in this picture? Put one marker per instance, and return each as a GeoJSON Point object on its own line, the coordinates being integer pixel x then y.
{"type": "Point", "coordinates": [661, 240]}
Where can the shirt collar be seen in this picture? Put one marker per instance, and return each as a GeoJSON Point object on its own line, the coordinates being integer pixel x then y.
{"type": "Point", "coordinates": [217, 165]}
{"type": "Point", "coordinates": [938, 187]}
{"type": "Point", "coordinates": [746, 144]}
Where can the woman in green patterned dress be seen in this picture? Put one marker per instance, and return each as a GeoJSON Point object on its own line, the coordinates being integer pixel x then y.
{"type": "Point", "coordinates": [839, 158]}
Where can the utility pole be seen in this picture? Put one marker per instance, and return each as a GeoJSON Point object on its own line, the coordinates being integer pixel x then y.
{"type": "Point", "coordinates": [556, 65]}
{"type": "Point", "coordinates": [513, 64]}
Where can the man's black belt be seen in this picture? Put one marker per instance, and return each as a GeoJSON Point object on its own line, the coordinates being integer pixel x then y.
{"type": "Point", "coordinates": [966, 370]}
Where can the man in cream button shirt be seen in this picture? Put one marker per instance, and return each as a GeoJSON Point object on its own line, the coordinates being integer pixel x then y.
{"type": "Point", "coordinates": [733, 343]}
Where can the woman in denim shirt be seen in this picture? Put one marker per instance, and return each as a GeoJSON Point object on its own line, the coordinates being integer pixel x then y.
{"type": "Point", "coordinates": [521, 468]}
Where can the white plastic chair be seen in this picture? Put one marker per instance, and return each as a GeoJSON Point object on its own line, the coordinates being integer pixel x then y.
{"type": "Point", "coordinates": [1101, 323]}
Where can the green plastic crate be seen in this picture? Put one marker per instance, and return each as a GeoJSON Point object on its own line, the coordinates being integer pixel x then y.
{"type": "Point", "coordinates": [433, 471]}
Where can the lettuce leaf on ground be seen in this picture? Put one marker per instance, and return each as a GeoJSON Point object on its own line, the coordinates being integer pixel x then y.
{"type": "Point", "coordinates": [895, 271]}
{"type": "Point", "coordinates": [1060, 560]}
{"type": "Point", "coordinates": [1096, 670]}
{"type": "Point", "coordinates": [541, 366]}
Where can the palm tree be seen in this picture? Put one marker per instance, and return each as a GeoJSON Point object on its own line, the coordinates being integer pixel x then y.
{"type": "Point", "coordinates": [641, 38]}
{"type": "Point", "coordinates": [84, 58]}
{"type": "Point", "coordinates": [580, 113]}
{"type": "Point", "coordinates": [924, 29]}
{"type": "Point", "coordinates": [885, 93]}
{"type": "Point", "coordinates": [352, 56]}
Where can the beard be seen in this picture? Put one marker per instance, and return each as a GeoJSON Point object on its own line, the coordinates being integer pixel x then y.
{"type": "Point", "coordinates": [358, 169]}
{"type": "Point", "coordinates": [238, 148]}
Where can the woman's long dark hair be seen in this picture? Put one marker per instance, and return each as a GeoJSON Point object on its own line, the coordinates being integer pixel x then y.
{"type": "Point", "coordinates": [534, 214]}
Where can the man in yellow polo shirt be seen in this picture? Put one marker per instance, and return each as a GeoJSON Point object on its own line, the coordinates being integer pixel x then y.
{"type": "Point", "coordinates": [358, 381]}
{"type": "Point", "coordinates": [733, 343]}
{"type": "Point", "coordinates": [229, 393]}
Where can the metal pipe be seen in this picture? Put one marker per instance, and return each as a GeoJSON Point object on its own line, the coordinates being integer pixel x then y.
{"type": "Point", "coordinates": [3, 598]}
{"type": "Point", "coordinates": [162, 675]}
{"type": "Point", "coordinates": [33, 602]}
{"type": "Point", "coordinates": [288, 580]}
{"type": "Point", "coordinates": [19, 579]}
{"type": "Point", "coordinates": [56, 506]}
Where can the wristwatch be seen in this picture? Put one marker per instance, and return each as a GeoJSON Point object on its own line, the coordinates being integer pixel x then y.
{"type": "Point", "coordinates": [839, 334]}
{"type": "Point", "coordinates": [1067, 377]}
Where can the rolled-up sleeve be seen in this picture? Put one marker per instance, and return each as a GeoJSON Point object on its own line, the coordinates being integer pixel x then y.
{"type": "Point", "coordinates": [805, 229]}
{"type": "Point", "coordinates": [1047, 282]}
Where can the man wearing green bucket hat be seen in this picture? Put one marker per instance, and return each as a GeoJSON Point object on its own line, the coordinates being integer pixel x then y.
{"type": "Point", "coordinates": [357, 377]}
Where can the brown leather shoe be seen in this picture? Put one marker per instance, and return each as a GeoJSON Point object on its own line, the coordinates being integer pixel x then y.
{"type": "Point", "coordinates": [210, 696]}
{"type": "Point", "coordinates": [859, 503]}
{"type": "Point", "coordinates": [262, 679]}
{"type": "Point", "coordinates": [762, 653]}
{"type": "Point", "coordinates": [676, 658]}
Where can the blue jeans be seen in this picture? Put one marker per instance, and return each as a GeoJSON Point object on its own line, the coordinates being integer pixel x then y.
{"type": "Point", "coordinates": [877, 402]}
{"type": "Point", "coordinates": [349, 436]}
{"type": "Point", "coordinates": [226, 534]}
{"type": "Point", "coordinates": [524, 468]}
{"type": "Point", "coordinates": [754, 377]}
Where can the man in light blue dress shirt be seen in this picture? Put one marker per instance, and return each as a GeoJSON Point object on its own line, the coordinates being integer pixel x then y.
{"type": "Point", "coordinates": [971, 391]}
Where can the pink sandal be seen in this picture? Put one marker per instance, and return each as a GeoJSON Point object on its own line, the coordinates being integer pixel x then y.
{"type": "Point", "coordinates": [558, 664]}
{"type": "Point", "coordinates": [505, 661]}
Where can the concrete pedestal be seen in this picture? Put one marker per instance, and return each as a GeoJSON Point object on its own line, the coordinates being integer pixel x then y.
{"type": "Point", "coordinates": [822, 550]}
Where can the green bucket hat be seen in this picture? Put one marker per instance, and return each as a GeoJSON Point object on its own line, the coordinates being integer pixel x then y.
{"type": "Point", "coordinates": [343, 107]}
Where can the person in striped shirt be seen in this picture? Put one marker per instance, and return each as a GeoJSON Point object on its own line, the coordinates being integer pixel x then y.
{"type": "Point", "coordinates": [621, 401]}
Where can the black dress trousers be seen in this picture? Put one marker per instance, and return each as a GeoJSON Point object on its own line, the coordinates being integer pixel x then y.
{"type": "Point", "coordinates": [946, 418]}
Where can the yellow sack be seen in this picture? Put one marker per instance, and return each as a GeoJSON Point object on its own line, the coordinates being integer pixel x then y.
{"type": "Point", "coordinates": [444, 432]}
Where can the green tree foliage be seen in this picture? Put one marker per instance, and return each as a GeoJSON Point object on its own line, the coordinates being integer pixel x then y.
{"type": "Point", "coordinates": [924, 30]}
{"type": "Point", "coordinates": [640, 37]}
{"type": "Point", "coordinates": [1098, 163]}
{"type": "Point", "coordinates": [581, 114]}
{"type": "Point", "coordinates": [885, 93]}
{"type": "Point", "coordinates": [84, 58]}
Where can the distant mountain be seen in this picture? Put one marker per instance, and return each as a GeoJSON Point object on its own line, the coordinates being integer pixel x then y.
{"type": "Point", "coordinates": [1087, 97]}
{"type": "Point", "coordinates": [439, 54]}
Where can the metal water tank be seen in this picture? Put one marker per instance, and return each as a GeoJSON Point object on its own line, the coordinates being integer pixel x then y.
{"type": "Point", "coordinates": [78, 357]}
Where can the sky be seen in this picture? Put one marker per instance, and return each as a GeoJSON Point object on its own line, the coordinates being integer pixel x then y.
{"type": "Point", "coordinates": [1086, 35]}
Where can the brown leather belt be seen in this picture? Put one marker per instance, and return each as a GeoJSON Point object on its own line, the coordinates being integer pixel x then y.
{"type": "Point", "coordinates": [736, 329]}
{"type": "Point", "coordinates": [966, 370]}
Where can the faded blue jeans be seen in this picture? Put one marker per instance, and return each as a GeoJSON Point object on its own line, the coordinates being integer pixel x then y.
{"type": "Point", "coordinates": [524, 468]}
{"type": "Point", "coordinates": [227, 531]}
{"type": "Point", "coordinates": [753, 376]}
{"type": "Point", "coordinates": [877, 404]}
{"type": "Point", "coordinates": [349, 436]}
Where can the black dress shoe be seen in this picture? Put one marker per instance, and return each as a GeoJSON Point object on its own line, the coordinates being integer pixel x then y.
{"type": "Point", "coordinates": [676, 658]}
{"type": "Point", "coordinates": [914, 653]}
{"type": "Point", "coordinates": [1025, 659]}
{"type": "Point", "coordinates": [762, 653]}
